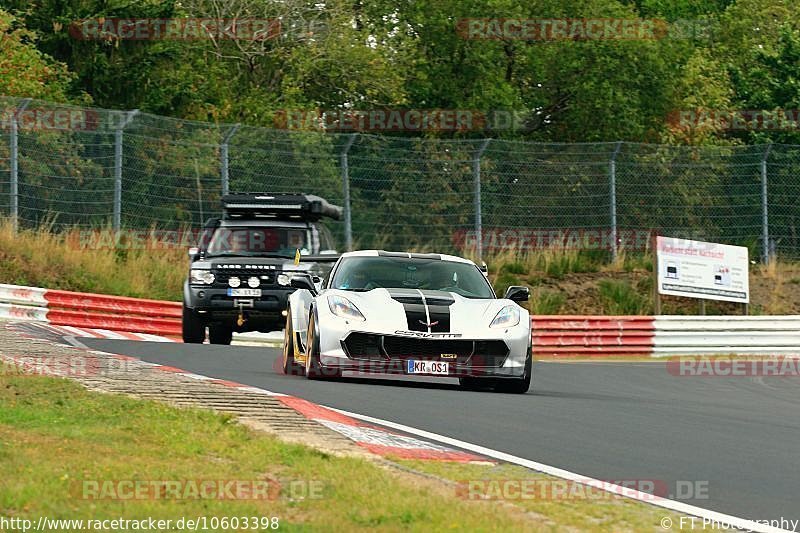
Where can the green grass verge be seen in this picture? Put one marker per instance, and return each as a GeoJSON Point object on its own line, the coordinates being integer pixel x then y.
{"type": "Point", "coordinates": [577, 511]}
{"type": "Point", "coordinates": [55, 435]}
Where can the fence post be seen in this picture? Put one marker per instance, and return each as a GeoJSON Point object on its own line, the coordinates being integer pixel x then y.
{"type": "Point", "coordinates": [348, 216]}
{"type": "Point", "coordinates": [118, 168]}
{"type": "Point", "coordinates": [224, 159]}
{"type": "Point", "coordinates": [764, 203]}
{"type": "Point", "coordinates": [14, 156]}
{"type": "Point", "coordinates": [476, 175]}
{"type": "Point", "coordinates": [612, 179]}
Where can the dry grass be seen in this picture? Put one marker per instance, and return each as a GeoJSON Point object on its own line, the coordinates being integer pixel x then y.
{"type": "Point", "coordinates": [67, 261]}
{"type": "Point", "coordinates": [777, 274]}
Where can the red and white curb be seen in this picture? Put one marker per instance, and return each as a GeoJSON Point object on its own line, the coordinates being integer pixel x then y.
{"type": "Point", "coordinates": [374, 438]}
{"type": "Point", "coordinates": [96, 333]}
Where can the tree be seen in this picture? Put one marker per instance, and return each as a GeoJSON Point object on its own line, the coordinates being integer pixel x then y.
{"type": "Point", "coordinates": [25, 70]}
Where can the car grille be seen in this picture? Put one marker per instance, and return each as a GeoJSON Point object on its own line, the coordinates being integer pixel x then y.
{"type": "Point", "coordinates": [364, 346]}
{"type": "Point", "coordinates": [221, 277]}
{"type": "Point", "coordinates": [390, 347]}
{"type": "Point", "coordinates": [409, 348]}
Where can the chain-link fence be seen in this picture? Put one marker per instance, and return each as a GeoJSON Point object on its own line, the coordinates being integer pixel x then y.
{"type": "Point", "coordinates": [70, 166]}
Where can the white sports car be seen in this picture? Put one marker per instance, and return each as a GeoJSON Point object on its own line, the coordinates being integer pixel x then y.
{"type": "Point", "coordinates": [406, 313]}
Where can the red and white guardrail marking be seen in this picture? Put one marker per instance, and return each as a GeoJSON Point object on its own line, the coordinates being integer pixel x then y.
{"type": "Point", "coordinates": [553, 336]}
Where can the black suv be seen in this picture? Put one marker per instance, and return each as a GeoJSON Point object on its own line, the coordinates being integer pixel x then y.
{"type": "Point", "coordinates": [240, 275]}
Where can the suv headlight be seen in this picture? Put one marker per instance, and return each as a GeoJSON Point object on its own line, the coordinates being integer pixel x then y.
{"type": "Point", "coordinates": [507, 317]}
{"type": "Point", "coordinates": [344, 308]}
{"type": "Point", "coordinates": [204, 277]}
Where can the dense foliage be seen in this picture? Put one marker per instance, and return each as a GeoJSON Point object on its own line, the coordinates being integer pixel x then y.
{"type": "Point", "coordinates": [712, 55]}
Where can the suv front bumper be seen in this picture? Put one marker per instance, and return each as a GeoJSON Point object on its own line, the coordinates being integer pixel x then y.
{"type": "Point", "coordinates": [215, 302]}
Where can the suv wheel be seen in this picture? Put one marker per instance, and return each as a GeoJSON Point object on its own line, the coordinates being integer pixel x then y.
{"type": "Point", "coordinates": [219, 334]}
{"type": "Point", "coordinates": [193, 329]}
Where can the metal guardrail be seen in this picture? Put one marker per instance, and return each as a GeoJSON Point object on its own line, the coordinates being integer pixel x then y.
{"type": "Point", "coordinates": [665, 336]}
{"type": "Point", "coordinates": [589, 336]}
{"type": "Point", "coordinates": [722, 335]}
{"type": "Point", "coordinates": [553, 335]}
{"type": "Point", "coordinates": [80, 309]}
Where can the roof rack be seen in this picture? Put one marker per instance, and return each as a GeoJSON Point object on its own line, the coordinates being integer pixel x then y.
{"type": "Point", "coordinates": [288, 206]}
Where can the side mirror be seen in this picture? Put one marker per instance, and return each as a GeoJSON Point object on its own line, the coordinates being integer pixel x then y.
{"type": "Point", "coordinates": [303, 281]}
{"type": "Point", "coordinates": [518, 293]}
{"type": "Point", "coordinates": [193, 251]}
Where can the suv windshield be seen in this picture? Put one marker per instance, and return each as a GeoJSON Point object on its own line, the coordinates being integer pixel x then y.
{"type": "Point", "coordinates": [273, 241]}
{"type": "Point", "coordinates": [367, 273]}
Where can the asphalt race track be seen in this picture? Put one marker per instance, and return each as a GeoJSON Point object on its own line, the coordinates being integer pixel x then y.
{"type": "Point", "coordinates": [611, 421]}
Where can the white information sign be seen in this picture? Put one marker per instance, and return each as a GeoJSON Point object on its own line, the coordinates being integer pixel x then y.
{"type": "Point", "coordinates": [697, 269]}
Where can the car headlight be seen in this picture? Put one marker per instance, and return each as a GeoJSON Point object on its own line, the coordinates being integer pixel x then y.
{"type": "Point", "coordinates": [253, 282]}
{"type": "Point", "coordinates": [507, 317]}
{"type": "Point", "coordinates": [201, 276]}
{"type": "Point", "coordinates": [344, 308]}
{"type": "Point", "coordinates": [284, 280]}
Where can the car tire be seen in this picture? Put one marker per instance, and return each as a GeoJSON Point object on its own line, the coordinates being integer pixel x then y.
{"type": "Point", "coordinates": [314, 369]}
{"type": "Point", "coordinates": [518, 385]}
{"type": "Point", "coordinates": [192, 327]}
{"type": "Point", "coordinates": [219, 334]}
{"type": "Point", "coordinates": [290, 366]}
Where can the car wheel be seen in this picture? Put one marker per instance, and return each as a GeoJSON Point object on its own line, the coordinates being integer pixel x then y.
{"type": "Point", "coordinates": [192, 327]}
{"type": "Point", "coordinates": [314, 369]}
{"type": "Point", "coordinates": [518, 385]}
{"type": "Point", "coordinates": [290, 366]}
{"type": "Point", "coordinates": [219, 334]}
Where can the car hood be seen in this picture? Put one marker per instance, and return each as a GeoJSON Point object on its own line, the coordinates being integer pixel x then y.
{"type": "Point", "coordinates": [389, 310]}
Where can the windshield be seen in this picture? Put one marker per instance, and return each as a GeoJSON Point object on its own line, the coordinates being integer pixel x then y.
{"type": "Point", "coordinates": [271, 241]}
{"type": "Point", "coordinates": [367, 273]}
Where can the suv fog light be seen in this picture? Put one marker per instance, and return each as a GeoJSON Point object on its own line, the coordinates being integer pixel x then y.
{"type": "Point", "coordinates": [253, 282]}
{"type": "Point", "coordinates": [234, 282]}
